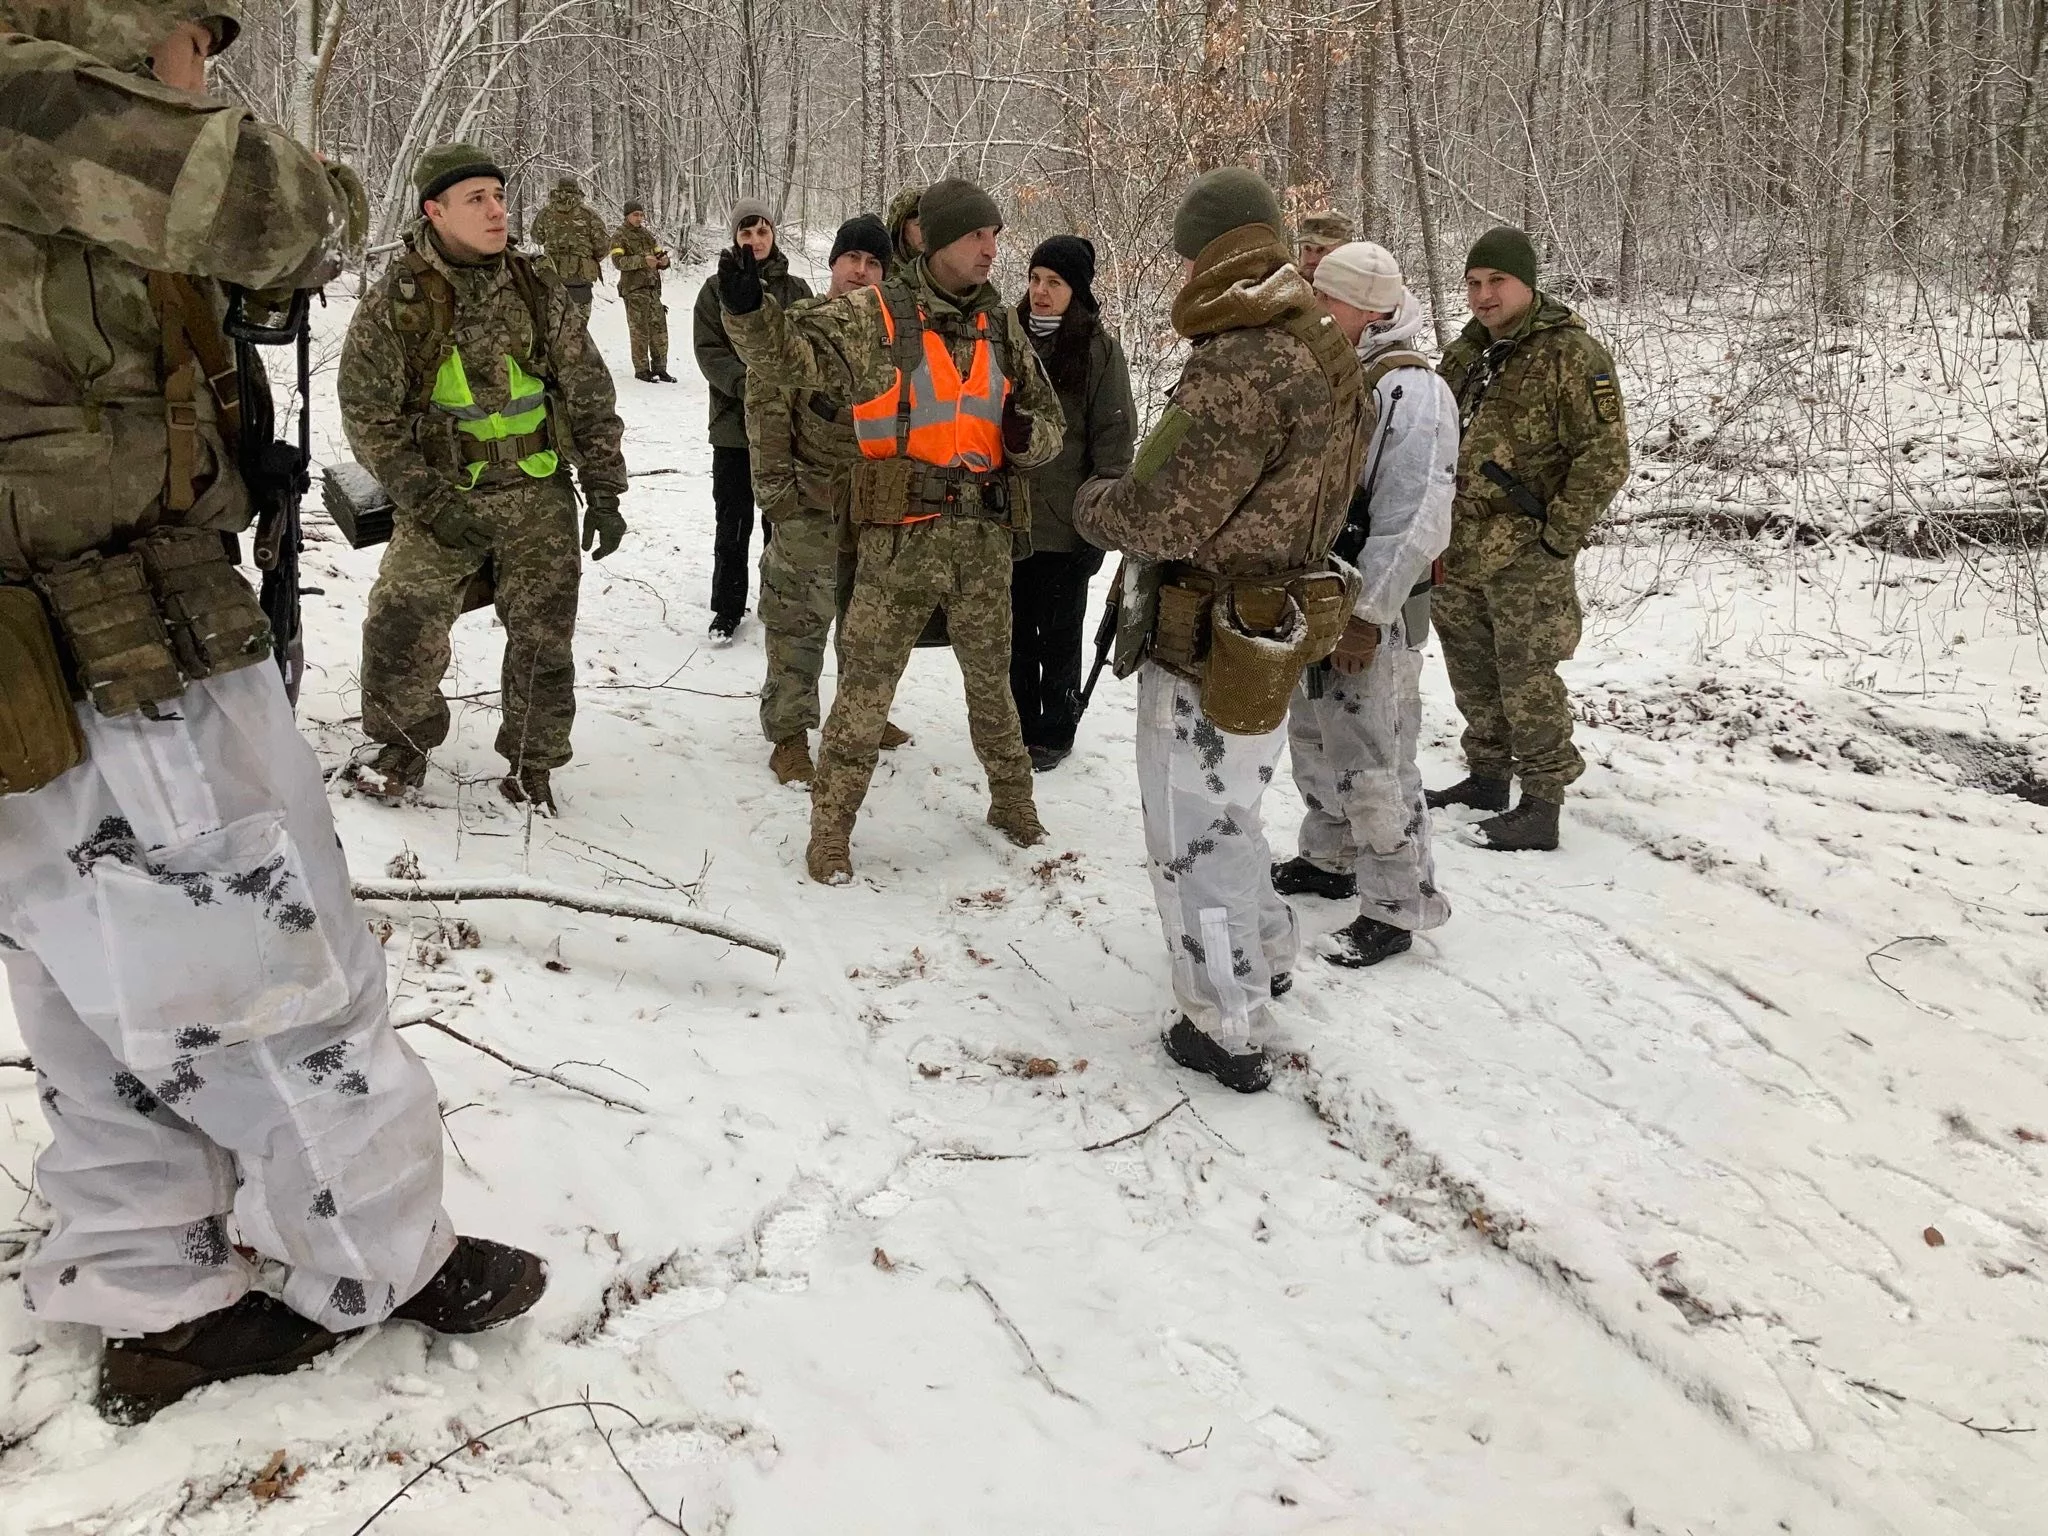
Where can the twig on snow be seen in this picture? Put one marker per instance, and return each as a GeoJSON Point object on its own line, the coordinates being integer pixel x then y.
{"type": "Point", "coordinates": [1034, 970]}
{"type": "Point", "coordinates": [514, 888]}
{"type": "Point", "coordinates": [19, 1063]}
{"type": "Point", "coordinates": [1998, 1429]}
{"type": "Point", "coordinates": [1150, 1125]}
{"type": "Point", "coordinates": [475, 1440]}
{"type": "Point", "coordinates": [1193, 1445]}
{"type": "Point", "coordinates": [521, 1067]}
{"type": "Point", "coordinates": [1870, 960]}
{"type": "Point", "coordinates": [1017, 1337]}
{"type": "Point", "coordinates": [605, 1435]}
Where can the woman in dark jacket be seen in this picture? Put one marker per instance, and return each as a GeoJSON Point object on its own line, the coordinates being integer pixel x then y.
{"type": "Point", "coordinates": [1049, 591]}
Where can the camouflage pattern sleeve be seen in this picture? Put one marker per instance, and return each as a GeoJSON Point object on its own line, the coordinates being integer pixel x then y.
{"type": "Point", "coordinates": [589, 401]}
{"type": "Point", "coordinates": [165, 179]}
{"type": "Point", "coordinates": [374, 386]}
{"type": "Point", "coordinates": [1035, 397]}
{"type": "Point", "coordinates": [770, 446]}
{"type": "Point", "coordinates": [1593, 430]}
{"type": "Point", "coordinates": [838, 346]}
{"type": "Point", "coordinates": [1199, 463]}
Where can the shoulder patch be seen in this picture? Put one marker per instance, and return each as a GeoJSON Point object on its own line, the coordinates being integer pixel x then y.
{"type": "Point", "coordinates": [1161, 444]}
{"type": "Point", "coordinates": [1606, 397]}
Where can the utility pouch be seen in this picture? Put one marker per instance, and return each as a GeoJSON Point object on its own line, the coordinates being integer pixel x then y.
{"type": "Point", "coordinates": [1326, 601]}
{"type": "Point", "coordinates": [215, 623]}
{"type": "Point", "coordinates": [39, 735]}
{"type": "Point", "coordinates": [1258, 646]}
{"type": "Point", "coordinates": [1180, 635]}
{"type": "Point", "coordinates": [108, 617]}
{"type": "Point", "coordinates": [881, 491]}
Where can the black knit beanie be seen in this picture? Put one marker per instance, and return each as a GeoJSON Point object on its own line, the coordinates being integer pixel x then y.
{"type": "Point", "coordinates": [952, 208]}
{"type": "Point", "coordinates": [1073, 258]}
{"type": "Point", "coordinates": [1505, 249]}
{"type": "Point", "coordinates": [864, 232]}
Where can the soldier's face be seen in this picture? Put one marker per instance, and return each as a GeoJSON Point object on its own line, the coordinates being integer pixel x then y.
{"type": "Point", "coordinates": [470, 217]}
{"type": "Point", "coordinates": [757, 236]}
{"type": "Point", "coordinates": [1050, 293]}
{"type": "Point", "coordinates": [913, 236]}
{"type": "Point", "coordinates": [636, 218]}
{"type": "Point", "coordinates": [179, 61]}
{"type": "Point", "coordinates": [1351, 320]}
{"type": "Point", "coordinates": [1498, 299]}
{"type": "Point", "coordinates": [967, 262]}
{"type": "Point", "coordinates": [1312, 257]}
{"type": "Point", "coordinates": [855, 269]}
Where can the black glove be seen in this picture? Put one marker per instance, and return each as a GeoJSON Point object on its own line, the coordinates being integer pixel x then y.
{"type": "Point", "coordinates": [1016, 429]}
{"type": "Point", "coordinates": [739, 281]}
{"type": "Point", "coordinates": [603, 526]}
{"type": "Point", "coordinates": [454, 526]}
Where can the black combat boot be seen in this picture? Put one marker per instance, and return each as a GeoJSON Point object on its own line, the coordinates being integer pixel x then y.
{"type": "Point", "coordinates": [1045, 759]}
{"type": "Point", "coordinates": [530, 786]}
{"type": "Point", "coordinates": [257, 1336]}
{"type": "Point", "coordinates": [643, 375]}
{"type": "Point", "coordinates": [1531, 827]}
{"type": "Point", "coordinates": [1298, 877]}
{"type": "Point", "coordinates": [1480, 793]}
{"type": "Point", "coordinates": [1247, 1073]}
{"type": "Point", "coordinates": [1281, 984]}
{"type": "Point", "coordinates": [1367, 941]}
{"type": "Point", "coordinates": [391, 775]}
{"type": "Point", "coordinates": [659, 372]}
{"type": "Point", "coordinates": [482, 1285]}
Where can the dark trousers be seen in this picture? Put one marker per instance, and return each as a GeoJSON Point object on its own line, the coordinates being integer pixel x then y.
{"type": "Point", "coordinates": [732, 493]}
{"type": "Point", "coordinates": [1048, 610]}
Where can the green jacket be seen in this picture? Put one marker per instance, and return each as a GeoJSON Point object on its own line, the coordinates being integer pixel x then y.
{"type": "Point", "coordinates": [573, 236]}
{"type": "Point", "coordinates": [1542, 403]}
{"type": "Point", "coordinates": [638, 256]}
{"type": "Point", "coordinates": [800, 444]}
{"type": "Point", "coordinates": [901, 211]}
{"type": "Point", "coordinates": [1087, 369]}
{"type": "Point", "coordinates": [721, 365]}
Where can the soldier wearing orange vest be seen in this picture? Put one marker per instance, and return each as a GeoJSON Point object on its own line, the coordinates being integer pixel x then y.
{"type": "Point", "coordinates": [950, 407]}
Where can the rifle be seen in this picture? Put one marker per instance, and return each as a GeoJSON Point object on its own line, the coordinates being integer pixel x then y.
{"type": "Point", "coordinates": [1521, 498]}
{"type": "Point", "coordinates": [1105, 637]}
{"type": "Point", "coordinates": [277, 473]}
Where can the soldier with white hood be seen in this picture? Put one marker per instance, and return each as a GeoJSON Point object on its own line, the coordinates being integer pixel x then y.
{"type": "Point", "coordinates": [1354, 722]}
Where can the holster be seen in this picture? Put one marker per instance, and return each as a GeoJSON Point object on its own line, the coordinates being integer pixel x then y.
{"type": "Point", "coordinates": [210, 612]}
{"type": "Point", "coordinates": [40, 739]}
{"type": "Point", "coordinates": [107, 615]}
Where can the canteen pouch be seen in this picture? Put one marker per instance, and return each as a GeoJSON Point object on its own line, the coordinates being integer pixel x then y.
{"type": "Point", "coordinates": [108, 617]}
{"type": "Point", "coordinates": [1180, 635]}
{"type": "Point", "coordinates": [881, 491]}
{"type": "Point", "coordinates": [39, 735]}
{"type": "Point", "coordinates": [1259, 642]}
{"type": "Point", "coordinates": [211, 614]}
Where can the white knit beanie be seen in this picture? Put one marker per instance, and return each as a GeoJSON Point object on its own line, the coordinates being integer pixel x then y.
{"type": "Point", "coordinates": [1363, 275]}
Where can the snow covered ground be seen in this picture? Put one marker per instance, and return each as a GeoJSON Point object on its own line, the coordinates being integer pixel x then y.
{"type": "Point", "coordinates": [1692, 1180]}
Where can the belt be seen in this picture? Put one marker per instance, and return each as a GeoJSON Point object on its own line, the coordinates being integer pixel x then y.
{"type": "Point", "coordinates": [505, 450]}
{"type": "Point", "coordinates": [938, 493]}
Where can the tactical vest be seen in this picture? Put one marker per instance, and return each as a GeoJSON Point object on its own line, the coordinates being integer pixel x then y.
{"type": "Point", "coordinates": [195, 351]}
{"type": "Point", "coordinates": [1348, 411]}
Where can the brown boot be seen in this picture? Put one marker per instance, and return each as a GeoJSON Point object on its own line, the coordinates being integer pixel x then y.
{"type": "Point", "coordinates": [829, 858]}
{"type": "Point", "coordinates": [790, 762]}
{"type": "Point", "coordinates": [894, 736]}
{"type": "Point", "coordinates": [1017, 819]}
{"type": "Point", "coordinates": [529, 786]}
{"type": "Point", "coordinates": [395, 772]}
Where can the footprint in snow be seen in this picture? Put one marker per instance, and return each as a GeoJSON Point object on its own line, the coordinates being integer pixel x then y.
{"type": "Point", "coordinates": [1211, 1372]}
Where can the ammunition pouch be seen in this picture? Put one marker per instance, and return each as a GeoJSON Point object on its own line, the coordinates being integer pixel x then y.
{"type": "Point", "coordinates": [1247, 640]}
{"type": "Point", "coordinates": [40, 739]}
{"type": "Point", "coordinates": [890, 492]}
{"type": "Point", "coordinates": [107, 614]}
{"type": "Point", "coordinates": [215, 623]}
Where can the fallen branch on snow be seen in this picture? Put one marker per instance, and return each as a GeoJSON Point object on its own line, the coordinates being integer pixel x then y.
{"type": "Point", "coordinates": [19, 1063]}
{"type": "Point", "coordinates": [1017, 1336]}
{"type": "Point", "coordinates": [512, 888]}
{"type": "Point", "coordinates": [1117, 1141]}
{"type": "Point", "coordinates": [433, 1023]}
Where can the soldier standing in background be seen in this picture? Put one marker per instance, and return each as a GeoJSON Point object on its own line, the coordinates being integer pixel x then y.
{"type": "Point", "coordinates": [732, 481]}
{"type": "Point", "coordinates": [641, 259]}
{"type": "Point", "coordinates": [1545, 450]}
{"type": "Point", "coordinates": [1321, 233]}
{"type": "Point", "coordinates": [573, 236]}
{"type": "Point", "coordinates": [906, 235]}
{"type": "Point", "coordinates": [950, 407]}
{"type": "Point", "coordinates": [206, 1009]}
{"type": "Point", "coordinates": [803, 452]}
{"type": "Point", "coordinates": [1238, 494]}
{"type": "Point", "coordinates": [468, 387]}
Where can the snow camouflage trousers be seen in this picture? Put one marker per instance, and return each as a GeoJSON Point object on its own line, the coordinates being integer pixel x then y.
{"type": "Point", "coordinates": [959, 564]}
{"type": "Point", "coordinates": [1228, 931]}
{"type": "Point", "coordinates": [537, 566]}
{"type": "Point", "coordinates": [647, 327]}
{"type": "Point", "coordinates": [1353, 752]}
{"type": "Point", "coordinates": [806, 583]}
{"type": "Point", "coordinates": [206, 1012]}
{"type": "Point", "coordinates": [1503, 636]}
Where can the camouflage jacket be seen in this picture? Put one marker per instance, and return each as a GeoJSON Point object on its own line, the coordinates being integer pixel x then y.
{"type": "Point", "coordinates": [409, 448]}
{"type": "Point", "coordinates": [573, 236]}
{"type": "Point", "coordinates": [1250, 471]}
{"type": "Point", "coordinates": [637, 255]}
{"type": "Point", "coordinates": [716, 359]}
{"type": "Point", "coordinates": [104, 177]}
{"type": "Point", "coordinates": [840, 347]}
{"type": "Point", "coordinates": [801, 445]}
{"type": "Point", "coordinates": [1543, 404]}
{"type": "Point", "coordinates": [902, 209]}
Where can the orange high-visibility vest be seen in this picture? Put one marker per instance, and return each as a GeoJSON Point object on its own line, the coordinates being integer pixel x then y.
{"type": "Point", "coordinates": [931, 414]}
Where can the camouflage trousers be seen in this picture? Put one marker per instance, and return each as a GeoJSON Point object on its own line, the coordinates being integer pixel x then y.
{"type": "Point", "coordinates": [1353, 753]}
{"type": "Point", "coordinates": [1503, 638]}
{"type": "Point", "coordinates": [647, 325]}
{"type": "Point", "coordinates": [806, 583]}
{"type": "Point", "coordinates": [1228, 931]}
{"type": "Point", "coordinates": [961, 565]}
{"type": "Point", "coordinates": [207, 1016]}
{"type": "Point", "coordinates": [536, 566]}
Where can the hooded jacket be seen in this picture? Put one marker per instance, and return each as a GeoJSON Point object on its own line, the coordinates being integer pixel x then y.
{"type": "Point", "coordinates": [1411, 468]}
{"type": "Point", "coordinates": [573, 236]}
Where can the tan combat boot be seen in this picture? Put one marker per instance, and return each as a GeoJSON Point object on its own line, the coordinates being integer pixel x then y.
{"type": "Point", "coordinates": [894, 736]}
{"type": "Point", "coordinates": [1016, 817]}
{"type": "Point", "coordinates": [529, 786]}
{"type": "Point", "coordinates": [829, 858]}
{"type": "Point", "coordinates": [790, 762]}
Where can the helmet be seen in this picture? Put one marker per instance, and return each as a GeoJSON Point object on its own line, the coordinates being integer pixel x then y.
{"type": "Point", "coordinates": [121, 32]}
